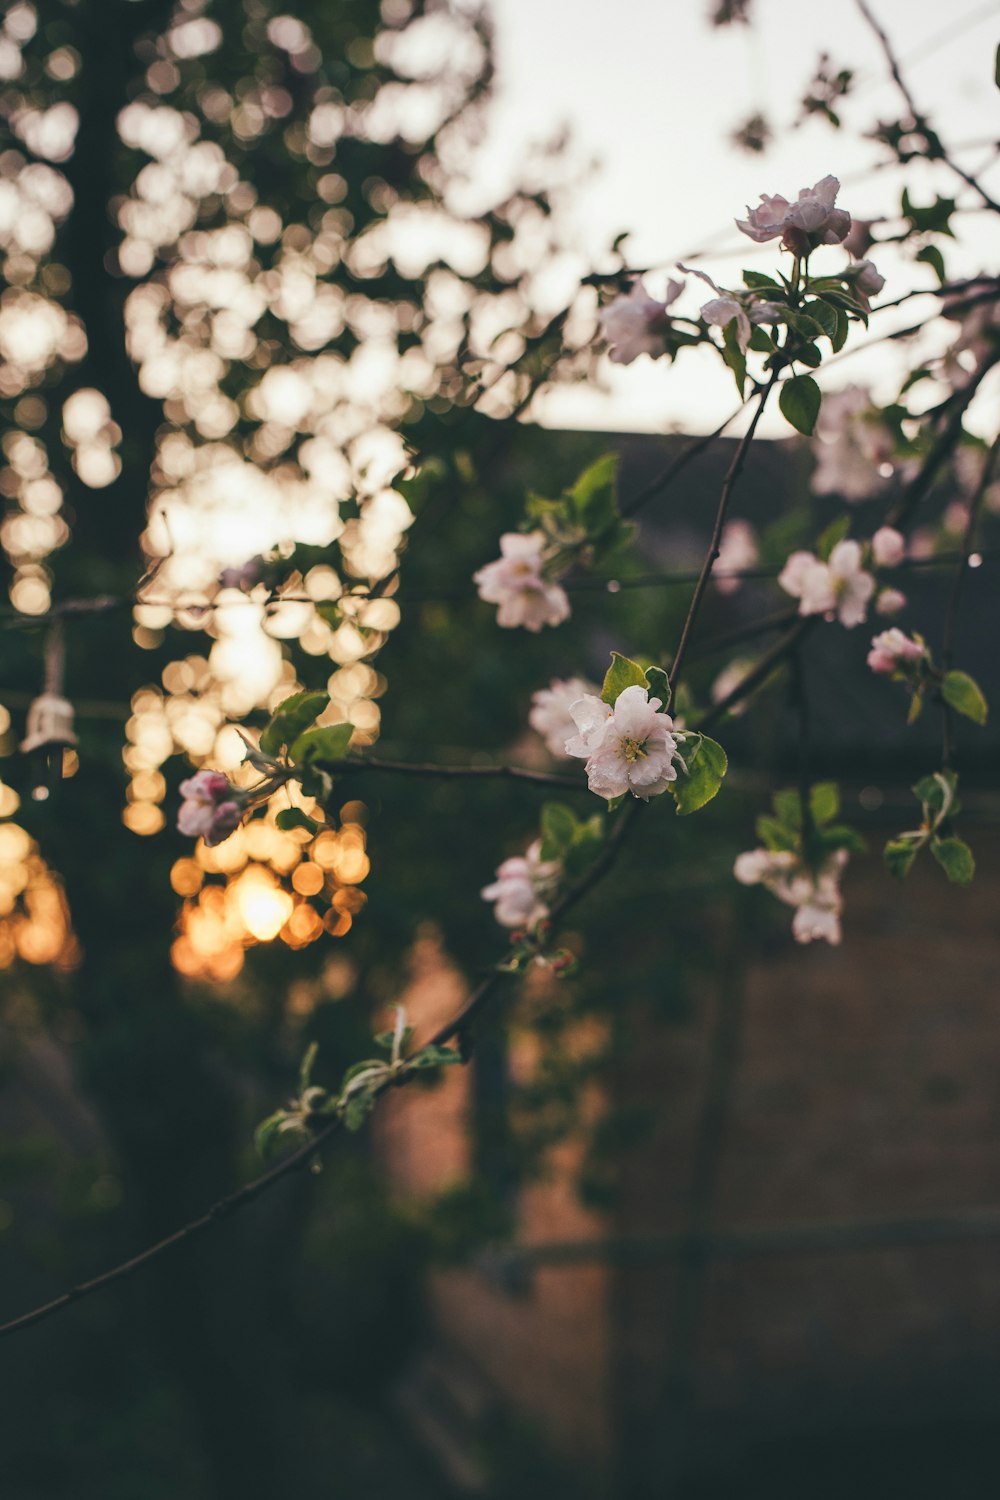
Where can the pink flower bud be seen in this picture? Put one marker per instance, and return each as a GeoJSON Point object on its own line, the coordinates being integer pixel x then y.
{"type": "Point", "coordinates": [890, 602]}
{"type": "Point", "coordinates": [888, 547]}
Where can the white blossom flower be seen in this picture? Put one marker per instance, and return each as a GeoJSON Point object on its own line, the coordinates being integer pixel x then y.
{"type": "Point", "coordinates": [722, 310]}
{"type": "Point", "coordinates": [815, 894]}
{"type": "Point", "coordinates": [840, 585]}
{"type": "Point", "coordinates": [628, 748]}
{"type": "Point", "coordinates": [550, 714]}
{"type": "Point", "coordinates": [635, 323]}
{"type": "Point", "coordinates": [888, 547]}
{"type": "Point", "coordinates": [737, 550]}
{"type": "Point", "coordinates": [852, 445]}
{"type": "Point", "coordinates": [812, 220]}
{"type": "Point", "coordinates": [516, 583]}
{"type": "Point", "coordinates": [894, 649]}
{"type": "Point", "coordinates": [520, 887]}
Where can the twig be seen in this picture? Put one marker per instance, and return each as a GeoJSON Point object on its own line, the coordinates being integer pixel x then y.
{"type": "Point", "coordinates": [951, 616]}
{"type": "Point", "coordinates": [676, 466]}
{"type": "Point", "coordinates": [349, 766]}
{"type": "Point", "coordinates": [729, 484]}
{"type": "Point", "coordinates": [949, 436]}
{"type": "Point", "coordinates": [936, 149]}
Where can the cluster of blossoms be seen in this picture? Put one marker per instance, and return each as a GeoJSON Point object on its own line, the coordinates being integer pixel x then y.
{"type": "Point", "coordinates": [520, 890]}
{"type": "Point", "coordinates": [628, 748]}
{"type": "Point", "coordinates": [815, 894]}
{"type": "Point", "coordinates": [521, 582]}
{"type": "Point", "coordinates": [813, 220]}
{"type": "Point", "coordinates": [840, 586]}
{"type": "Point", "coordinates": [550, 714]}
{"type": "Point", "coordinates": [211, 807]}
{"type": "Point", "coordinates": [895, 651]}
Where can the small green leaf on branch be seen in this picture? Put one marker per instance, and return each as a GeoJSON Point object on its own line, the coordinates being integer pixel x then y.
{"type": "Point", "coordinates": [962, 693]}
{"type": "Point", "coordinates": [800, 401]}
{"type": "Point", "coordinates": [707, 764]}
{"type": "Point", "coordinates": [955, 858]}
{"type": "Point", "coordinates": [622, 673]}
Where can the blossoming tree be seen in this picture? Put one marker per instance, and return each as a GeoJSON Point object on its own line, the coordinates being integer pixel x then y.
{"type": "Point", "coordinates": [646, 743]}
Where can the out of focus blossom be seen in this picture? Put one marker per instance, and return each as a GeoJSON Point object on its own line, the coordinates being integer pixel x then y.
{"type": "Point", "coordinates": [635, 323]}
{"type": "Point", "coordinates": [839, 585]}
{"type": "Point", "coordinates": [888, 547]}
{"type": "Point", "coordinates": [211, 807]}
{"type": "Point", "coordinates": [890, 602]}
{"type": "Point", "coordinates": [517, 583]}
{"type": "Point", "coordinates": [815, 894]}
{"type": "Point", "coordinates": [737, 550]}
{"type": "Point", "coordinates": [550, 714]}
{"type": "Point", "coordinates": [853, 446]}
{"type": "Point", "coordinates": [894, 649]}
{"type": "Point", "coordinates": [521, 885]}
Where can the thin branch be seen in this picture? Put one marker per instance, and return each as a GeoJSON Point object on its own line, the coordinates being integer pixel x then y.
{"type": "Point", "coordinates": [350, 766]}
{"type": "Point", "coordinates": [937, 150]}
{"type": "Point", "coordinates": [950, 434]}
{"type": "Point", "coordinates": [457, 1027]}
{"type": "Point", "coordinates": [678, 465]}
{"type": "Point", "coordinates": [729, 484]}
{"type": "Point", "coordinates": [951, 617]}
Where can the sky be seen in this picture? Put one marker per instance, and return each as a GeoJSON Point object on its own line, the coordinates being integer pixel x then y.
{"type": "Point", "coordinates": [651, 92]}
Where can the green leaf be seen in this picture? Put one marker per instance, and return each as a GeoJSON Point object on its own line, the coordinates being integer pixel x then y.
{"type": "Point", "coordinates": [761, 341]}
{"type": "Point", "coordinates": [306, 1066]}
{"type": "Point", "coordinates": [558, 828]}
{"type": "Point", "coordinates": [840, 836]}
{"type": "Point", "coordinates": [290, 719]}
{"type": "Point", "coordinates": [996, 68]}
{"type": "Point", "coordinates": [593, 494]}
{"type": "Point", "coordinates": [823, 313]}
{"type": "Point", "coordinates": [932, 256]}
{"type": "Point", "coordinates": [294, 817]}
{"type": "Point", "coordinates": [934, 218]}
{"type": "Point", "coordinates": [800, 401]}
{"type": "Point", "coordinates": [839, 338]}
{"type": "Point", "coordinates": [899, 855]}
{"type": "Point", "coordinates": [622, 673]}
{"type": "Point", "coordinates": [824, 802]}
{"type": "Point", "coordinates": [775, 836]}
{"type": "Point", "coordinates": [962, 693]}
{"type": "Point", "coordinates": [433, 1057]}
{"type": "Point", "coordinates": [706, 766]}
{"type": "Point", "coordinates": [659, 685]}
{"type": "Point", "coordinates": [588, 839]}
{"type": "Point", "coordinates": [757, 282]}
{"type": "Point", "coordinates": [831, 535]}
{"type": "Point", "coordinates": [788, 806]}
{"type": "Point", "coordinates": [733, 355]}
{"type": "Point", "coordinates": [357, 1109]}
{"type": "Point", "coordinates": [955, 859]}
{"type": "Point", "coordinates": [934, 791]}
{"type": "Point", "coordinates": [327, 744]}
